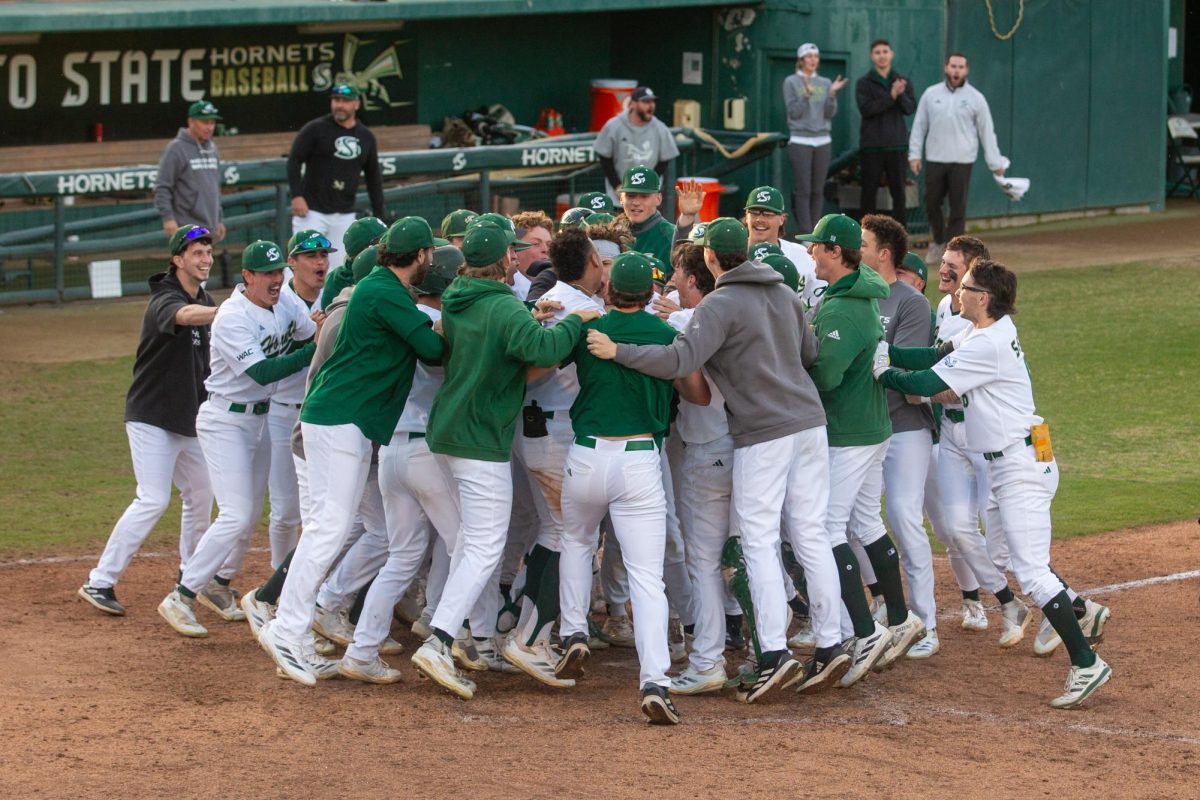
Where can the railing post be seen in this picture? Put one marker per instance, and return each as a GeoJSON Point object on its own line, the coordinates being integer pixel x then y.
{"type": "Point", "coordinates": [485, 191]}
{"type": "Point", "coordinates": [283, 214]}
{"type": "Point", "coordinates": [60, 240]}
{"type": "Point", "coordinates": [668, 191]}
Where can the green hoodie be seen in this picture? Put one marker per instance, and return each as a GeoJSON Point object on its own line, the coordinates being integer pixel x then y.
{"type": "Point", "coordinates": [492, 339]}
{"type": "Point", "coordinates": [848, 329]}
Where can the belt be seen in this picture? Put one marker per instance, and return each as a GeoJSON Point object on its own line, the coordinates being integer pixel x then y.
{"type": "Point", "coordinates": [257, 409]}
{"type": "Point", "coordinates": [287, 405]}
{"type": "Point", "coordinates": [413, 435]}
{"type": "Point", "coordinates": [630, 446]}
{"type": "Point", "coordinates": [1000, 453]}
{"type": "Point", "coordinates": [954, 414]}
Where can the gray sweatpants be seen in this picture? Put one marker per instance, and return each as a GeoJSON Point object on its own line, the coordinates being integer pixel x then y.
{"type": "Point", "coordinates": [809, 168]}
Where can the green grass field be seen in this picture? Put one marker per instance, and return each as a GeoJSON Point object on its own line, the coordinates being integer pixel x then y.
{"type": "Point", "coordinates": [1112, 351]}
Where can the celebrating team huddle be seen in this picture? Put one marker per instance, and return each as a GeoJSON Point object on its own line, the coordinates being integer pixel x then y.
{"type": "Point", "coordinates": [514, 436]}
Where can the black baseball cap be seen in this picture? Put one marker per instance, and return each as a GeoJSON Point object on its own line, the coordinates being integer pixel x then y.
{"type": "Point", "coordinates": [644, 93]}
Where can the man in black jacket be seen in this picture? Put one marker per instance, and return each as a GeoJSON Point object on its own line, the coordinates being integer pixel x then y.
{"type": "Point", "coordinates": [885, 98]}
{"type": "Point", "coordinates": [334, 149]}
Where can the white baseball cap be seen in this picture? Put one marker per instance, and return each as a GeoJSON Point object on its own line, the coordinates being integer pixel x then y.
{"type": "Point", "coordinates": [806, 48]}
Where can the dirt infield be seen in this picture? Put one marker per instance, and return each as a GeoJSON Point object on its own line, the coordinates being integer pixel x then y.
{"type": "Point", "coordinates": [125, 707]}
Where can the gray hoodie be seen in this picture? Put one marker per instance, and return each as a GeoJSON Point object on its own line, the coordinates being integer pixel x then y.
{"type": "Point", "coordinates": [750, 335]}
{"type": "Point", "coordinates": [188, 186]}
{"type": "Point", "coordinates": [809, 116]}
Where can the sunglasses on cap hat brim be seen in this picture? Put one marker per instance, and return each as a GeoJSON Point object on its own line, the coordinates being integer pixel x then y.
{"type": "Point", "coordinates": [198, 232]}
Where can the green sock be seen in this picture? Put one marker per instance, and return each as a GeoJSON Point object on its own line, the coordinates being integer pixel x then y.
{"type": "Point", "coordinates": [971, 595]}
{"type": "Point", "coordinates": [547, 600]}
{"type": "Point", "coordinates": [1062, 616]}
{"type": "Point", "coordinates": [535, 565]}
{"type": "Point", "coordinates": [186, 592]}
{"type": "Point", "coordinates": [1005, 595]}
{"type": "Point", "coordinates": [269, 592]}
{"type": "Point", "coordinates": [356, 609]}
{"type": "Point", "coordinates": [221, 581]}
{"type": "Point", "coordinates": [886, 564]}
{"type": "Point", "coordinates": [852, 590]}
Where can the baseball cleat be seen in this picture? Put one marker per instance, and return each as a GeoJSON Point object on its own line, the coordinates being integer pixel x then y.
{"type": "Point", "coordinates": [466, 655]}
{"type": "Point", "coordinates": [177, 610]}
{"type": "Point", "coordinates": [322, 646]}
{"type": "Point", "coordinates": [926, 648]}
{"type": "Point", "coordinates": [879, 610]}
{"type": "Point", "coordinates": [575, 657]}
{"type": "Point", "coordinates": [489, 651]}
{"type": "Point", "coordinates": [1047, 639]}
{"type": "Point", "coordinates": [676, 641]}
{"type": "Point", "coordinates": [376, 671]}
{"type": "Point", "coordinates": [103, 598]}
{"type": "Point", "coordinates": [1081, 683]}
{"type": "Point", "coordinates": [1016, 616]}
{"type": "Point", "coordinates": [334, 626]}
{"type": "Point", "coordinates": [433, 660]}
{"type": "Point", "coordinates": [657, 706]}
{"type": "Point", "coordinates": [695, 681]}
{"type": "Point", "coordinates": [820, 672]}
{"type": "Point", "coordinates": [1092, 621]}
{"type": "Point", "coordinates": [222, 600]}
{"type": "Point", "coordinates": [734, 638]}
{"type": "Point", "coordinates": [774, 670]}
{"type": "Point", "coordinates": [594, 640]}
{"type": "Point", "coordinates": [258, 613]}
{"type": "Point", "coordinates": [408, 610]}
{"type": "Point", "coordinates": [618, 631]}
{"type": "Point", "coordinates": [421, 628]}
{"type": "Point", "coordinates": [804, 639]}
{"type": "Point", "coordinates": [287, 657]}
{"type": "Point", "coordinates": [974, 618]}
{"type": "Point", "coordinates": [390, 647]}
{"type": "Point", "coordinates": [865, 653]}
{"type": "Point", "coordinates": [904, 636]}
{"type": "Point", "coordinates": [538, 662]}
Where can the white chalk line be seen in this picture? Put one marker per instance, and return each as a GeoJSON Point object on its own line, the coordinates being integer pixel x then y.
{"type": "Point", "coordinates": [34, 562]}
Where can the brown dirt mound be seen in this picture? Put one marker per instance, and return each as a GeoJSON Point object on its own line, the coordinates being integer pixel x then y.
{"type": "Point", "coordinates": [95, 702]}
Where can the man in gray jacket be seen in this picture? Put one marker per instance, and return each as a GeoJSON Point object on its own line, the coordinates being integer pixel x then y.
{"type": "Point", "coordinates": [187, 190]}
{"type": "Point", "coordinates": [811, 106]}
{"type": "Point", "coordinates": [952, 119]}
{"type": "Point", "coordinates": [751, 336]}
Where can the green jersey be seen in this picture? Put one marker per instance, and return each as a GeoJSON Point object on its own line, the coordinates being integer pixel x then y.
{"type": "Point", "coordinates": [366, 379]}
{"type": "Point", "coordinates": [615, 400]}
{"type": "Point", "coordinates": [336, 280]}
{"type": "Point", "coordinates": [655, 236]}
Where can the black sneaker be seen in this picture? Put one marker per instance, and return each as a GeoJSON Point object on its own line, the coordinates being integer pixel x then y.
{"type": "Point", "coordinates": [102, 598]}
{"type": "Point", "coordinates": [734, 639]}
{"type": "Point", "coordinates": [657, 706]}
{"type": "Point", "coordinates": [774, 669]}
{"type": "Point", "coordinates": [575, 657]}
{"type": "Point", "coordinates": [826, 667]}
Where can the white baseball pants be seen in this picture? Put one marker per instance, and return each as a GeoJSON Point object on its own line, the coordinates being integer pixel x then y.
{"type": "Point", "coordinates": [282, 486]}
{"type": "Point", "coordinates": [963, 575]}
{"type": "Point", "coordinates": [439, 570]}
{"type": "Point", "coordinates": [332, 225]}
{"type": "Point", "coordinates": [905, 470]}
{"type": "Point", "coordinates": [544, 458]}
{"type": "Point", "coordinates": [523, 528]}
{"type": "Point", "coordinates": [159, 458]}
{"type": "Point", "coordinates": [238, 457]}
{"type": "Point", "coordinates": [363, 551]}
{"type": "Point", "coordinates": [787, 477]}
{"type": "Point", "coordinates": [339, 460]}
{"type": "Point", "coordinates": [963, 487]}
{"type": "Point", "coordinates": [628, 486]}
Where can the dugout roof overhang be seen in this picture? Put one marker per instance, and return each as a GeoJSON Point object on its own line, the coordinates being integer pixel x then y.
{"type": "Point", "coordinates": [113, 15]}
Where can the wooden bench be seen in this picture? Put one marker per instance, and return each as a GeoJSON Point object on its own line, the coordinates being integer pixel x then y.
{"type": "Point", "coordinates": [243, 147]}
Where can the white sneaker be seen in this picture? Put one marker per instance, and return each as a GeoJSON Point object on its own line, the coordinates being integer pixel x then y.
{"type": "Point", "coordinates": [322, 646]}
{"type": "Point", "coordinates": [1081, 682]}
{"type": "Point", "coordinates": [466, 655]}
{"type": "Point", "coordinates": [1092, 621]}
{"type": "Point", "coordinates": [177, 610]}
{"type": "Point", "coordinates": [408, 610]}
{"type": "Point", "coordinates": [318, 665]}
{"type": "Point", "coordinates": [287, 657]}
{"type": "Point", "coordinates": [676, 641]}
{"type": "Point", "coordinates": [489, 652]}
{"type": "Point", "coordinates": [1015, 616]}
{"type": "Point", "coordinates": [904, 636]}
{"type": "Point", "coordinates": [618, 631]}
{"type": "Point", "coordinates": [257, 612]}
{"type": "Point", "coordinates": [927, 647]}
{"type": "Point", "coordinates": [221, 600]}
{"type": "Point", "coordinates": [933, 256]}
{"type": "Point", "coordinates": [433, 660]}
{"type": "Point", "coordinates": [376, 671]}
{"type": "Point", "coordinates": [974, 618]}
{"type": "Point", "coordinates": [334, 626]}
{"type": "Point", "coordinates": [804, 639]}
{"type": "Point", "coordinates": [694, 681]}
{"type": "Point", "coordinates": [1047, 639]}
{"type": "Point", "coordinates": [537, 662]}
{"type": "Point", "coordinates": [390, 647]}
{"type": "Point", "coordinates": [879, 610]}
{"type": "Point", "coordinates": [421, 628]}
{"type": "Point", "coordinates": [866, 652]}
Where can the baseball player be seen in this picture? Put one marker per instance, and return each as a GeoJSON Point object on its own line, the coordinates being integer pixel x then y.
{"type": "Point", "coordinates": [454, 226]}
{"type": "Point", "coordinates": [619, 420]}
{"type": "Point", "coordinates": [160, 414]}
{"type": "Point", "coordinates": [765, 217]}
{"type": "Point", "coordinates": [355, 399]}
{"type": "Point", "coordinates": [596, 202]}
{"type": "Point", "coordinates": [986, 368]}
{"type": "Point", "coordinates": [252, 348]}
{"type": "Point", "coordinates": [641, 195]}
{"type": "Point", "coordinates": [848, 328]}
{"type": "Point", "coordinates": [492, 338]}
{"type": "Point", "coordinates": [750, 335]}
{"type": "Point", "coordinates": [361, 234]}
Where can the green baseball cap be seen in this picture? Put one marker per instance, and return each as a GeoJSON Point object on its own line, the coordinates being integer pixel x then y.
{"type": "Point", "coordinates": [361, 233]}
{"type": "Point", "coordinates": [484, 245]}
{"type": "Point", "coordinates": [640, 180]}
{"type": "Point", "coordinates": [763, 249]}
{"type": "Point", "coordinates": [364, 262]}
{"type": "Point", "coordinates": [725, 235]}
{"type": "Point", "coordinates": [784, 266]}
{"type": "Point", "coordinates": [346, 90]}
{"type": "Point", "coordinates": [632, 273]}
{"type": "Point", "coordinates": [442, 272]}
{"type": "Point", "coordinates": [203, 109]}
{"type": "Point", "coordinates": [914, 263]}
{"type": "Point", "coordinates": [767, 197]}
{"type": "Point", "coordinates": [596, 201]}
{"type": "Point", "coordinates": [599, 218]}
{"type": "Point", "coordinates": [661, 270]}
{"type": "Point", "coordinates": [835, 229]}
{"type": "Point", "coordinates": [309, 241]}
{"type": "Point", "coordinates": [263, 256]}
{"type": "Point", "coordinates": [503, 223]}
{"type": "Point", "coordinates": [185, 235]}
{"type": "Point", "coordinates": [574, 217]}
{"type": "Point", "coordinates": [408, 234]}
{"type": "Point", "coordinates": [455, 223]}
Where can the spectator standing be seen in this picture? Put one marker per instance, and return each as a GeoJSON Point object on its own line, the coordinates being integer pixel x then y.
{"type": "Point", "coordinates": [187, 190]}
{"type": "Point", "coordinates": [635, 137]}
{"type": "Point", "coordinates": [811, 102]}
{"type": "Point", "coordinates": [885, 98]}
